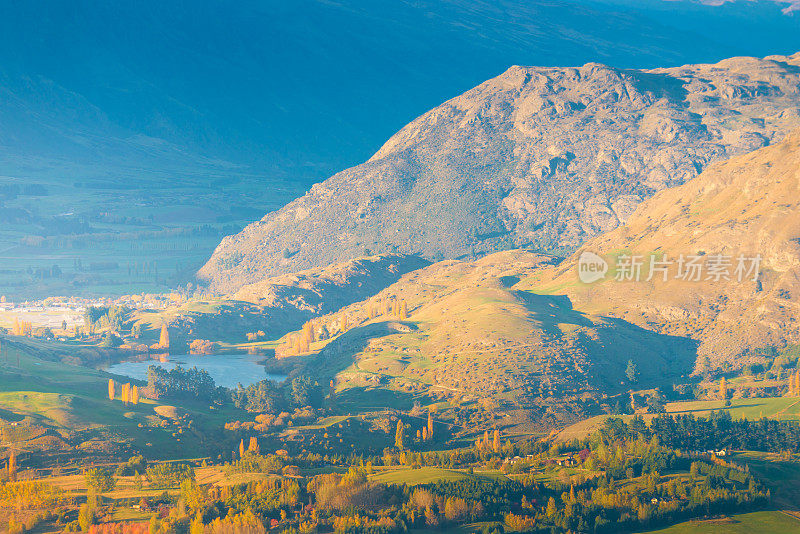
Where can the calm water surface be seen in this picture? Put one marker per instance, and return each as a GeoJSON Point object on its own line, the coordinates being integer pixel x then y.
{"type": "Point", "coordinates": [226, 369]}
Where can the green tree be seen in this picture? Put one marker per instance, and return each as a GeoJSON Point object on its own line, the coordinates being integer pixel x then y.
{"type": "Point", "coordinates": [110, 341]}
{"type": "Point", "coordinates": [551, 508]}
{"type": "Point", "coordinates": [632, 373]}
{"type": "Point", "coordinates": [86, 516]}
{"type": "Point", "coordinates": [100, 480]}
{"type": "Point", "coordinates": [303, 389]}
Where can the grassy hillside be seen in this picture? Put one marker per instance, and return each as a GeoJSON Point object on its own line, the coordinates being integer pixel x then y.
{"type": "Point", "coordinates": [49, 408]}
{"type": "Point", "coordinates": [772, 522]}
{"type": "Point", "coordinates": [748, 207]}
{"type": "Point", "coordinates": [471, 336]}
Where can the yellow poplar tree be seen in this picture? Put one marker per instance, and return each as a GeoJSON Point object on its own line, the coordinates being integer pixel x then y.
{"type": "Point", "coordinates": [134, 395]}
{"type": "Point", "coordinates": [308, 332]}
{"type": "Point", "coordinates": [163, 339]}
{"type": "Point", "coordinates": [398, 435]}
{"type": "Point", "coordinates": [430, 425]}
{"type": "Point", "coordinates": [12, 464]}
{"type": "Point", "coordinates": [723, 388]}
{"type": "Point", "coordinates": [111, 389]}
{"type": "Point", "coordinates": [253, 445]}
{"type": "Point", "coordinates": [496, 441]}
{"type": "Point", "coordinates": [241, 447]}
{"type": "Point", "coordinates": [302, 344]}
{"type": "Point", "coordinates": [424, 433]}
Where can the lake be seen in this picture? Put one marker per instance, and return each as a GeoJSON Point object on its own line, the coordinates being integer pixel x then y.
{"type": "Point", "coordinates": [226, 369]}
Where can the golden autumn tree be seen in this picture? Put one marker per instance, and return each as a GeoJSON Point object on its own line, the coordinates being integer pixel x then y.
{"type": "Point", "coordinates": [424, 433]}
{"type": "Point", "coordinates": [163, 339]}
{"type": "Point", "coordinates": [12, 464]}
{"type": "Point", "coordinates": [253, 446]}
{"type": "Point", "coordinates": [345, 324]}
{"type": "Point", "coordinates": [485, 440]}
{"type": "Point", "coordinates": [241, 447]}
{"type": "Point", "coordinates": [134, 395]}
{"type": "Point", "coordinates": [496, 441]}
{"type": "Point", "coordinates": [22, 328]}
{"type": "Point", "coordinates": [403, 310]}
{"type": "Point", "coordinates": [111, 389]}
{"type": "Point", "coordinates": [430, 424]}
{"type": "Point", "coordinates": [723, 388]}
{"type": "Point", "coordinates": [308, 331]}
{"type": "Point", "coordinates": [398, 435]}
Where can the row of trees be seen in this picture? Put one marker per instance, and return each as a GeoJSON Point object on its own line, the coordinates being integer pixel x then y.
{"type": "Point", "coordinates": [718, 431]}
{"type": "Point", "coordinates": [484, 445]}
{"type": "Point", "coordinates": [300, 342]}
{"type": "Point", "coordinates": [21, 328]}
{"type": "Point", "coordinates": [129, 393]}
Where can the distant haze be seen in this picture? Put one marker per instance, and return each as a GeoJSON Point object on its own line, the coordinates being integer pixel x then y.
{"type": "Point", "coordinates": [136, 133]}
{"type": "Point", "coordinates": [305, 88]}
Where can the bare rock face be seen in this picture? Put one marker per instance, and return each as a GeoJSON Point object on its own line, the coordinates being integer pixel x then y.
{"type": "Point", "coordinates": [540, 158]}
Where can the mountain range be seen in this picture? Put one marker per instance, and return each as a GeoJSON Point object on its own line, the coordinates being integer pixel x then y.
{"type": "Point", "coordinates": [148, 119]}
{"type": "Point", "coordinates": [541, 158]}
{"type": "Point", "coordinates": [522, 331]}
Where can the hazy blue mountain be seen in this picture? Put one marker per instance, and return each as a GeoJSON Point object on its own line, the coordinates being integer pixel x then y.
{"type": "Point", "coordinates": [149, 118]}
{"type": "Point", "coordinates": [309, 87]}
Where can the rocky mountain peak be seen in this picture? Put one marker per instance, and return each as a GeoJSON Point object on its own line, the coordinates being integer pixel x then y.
{"type": "Point", "coordinates": [539, 157]}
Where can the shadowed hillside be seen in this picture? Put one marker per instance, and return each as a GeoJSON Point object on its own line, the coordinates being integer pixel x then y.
{"type": "Point", "coordinates": [278, 305]}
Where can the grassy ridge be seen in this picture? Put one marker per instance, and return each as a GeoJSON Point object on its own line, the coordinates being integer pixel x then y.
{"type": "Point", "coordinates": [771, 522]}
{"type": "Point", "coordinates": [71, 403]}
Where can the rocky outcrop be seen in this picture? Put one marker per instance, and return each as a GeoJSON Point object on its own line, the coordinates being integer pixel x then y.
{"type": "Point", "coordinates": [541, 158]}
